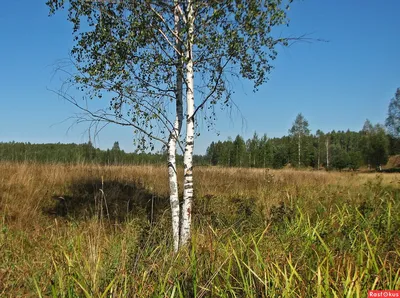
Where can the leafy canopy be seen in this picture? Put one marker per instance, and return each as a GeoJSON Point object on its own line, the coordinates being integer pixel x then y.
{"type": "Point", "coordinates": [300, 127]}
{"type": "Point", "coordinates": [393, 119]}
{"type": "Point", "coordinates": [127, 48]}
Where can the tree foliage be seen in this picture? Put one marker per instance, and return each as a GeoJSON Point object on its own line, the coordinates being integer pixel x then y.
{"type": "Point", "coordinates": [297, 132]}
{"type": "Point", "coordinates": [299, 127]}
{"type": "Point", "coordinates": [141, 52]}
{"type": "Point", "coordinates": [75, 153]}
{"type": "Point", "coordinates": [126, 48]}
{"type": "Point", "coordinates": [346, 149]}
{"type": "Point", "coordinates": [393, 119]}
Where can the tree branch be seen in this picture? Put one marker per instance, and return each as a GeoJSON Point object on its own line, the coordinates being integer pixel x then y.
{"type": "Point", "coordinates": [214, 89]}
{"type": "Point", "coordinates": [105, 117]}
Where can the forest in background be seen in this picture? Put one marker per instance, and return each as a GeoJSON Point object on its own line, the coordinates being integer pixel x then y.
{"type": "Point", "coordinates": [369, 147]}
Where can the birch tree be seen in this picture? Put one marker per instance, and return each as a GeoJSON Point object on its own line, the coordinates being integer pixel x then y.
{"type": "Point", "coordinates": [327, 150]}
{"type": "Point", "coordinates": [298, 131]}
{"type": "Point", "coordinates": [151, 53]}
{"type": "Point", "coordinates": [320, 135]}
{"type": "Point", "coordinates": [366, 141]}
{"type": "Point", "coordinates": [393, 118]}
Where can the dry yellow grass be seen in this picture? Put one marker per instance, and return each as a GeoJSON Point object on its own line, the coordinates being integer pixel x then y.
{"type": "Point", "coordinates": [40, 240]}
{"type": "Point", "coordinates": [26, 188]}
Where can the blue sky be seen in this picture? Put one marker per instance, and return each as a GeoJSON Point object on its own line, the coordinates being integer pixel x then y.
{"type": "Point", "coordinates": [335, 84]}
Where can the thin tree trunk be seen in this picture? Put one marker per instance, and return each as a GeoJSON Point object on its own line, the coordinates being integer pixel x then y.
{"type": "Point", "coordinates": [188, 155]}
{"type": "Point", "coordinates": [173, 182]}
{"type": "Point", "coordinates": [319, 152]}
{"type": "Point", "coordinates": [173, 138]}
{"type": "Point", "coordinates": [299, 149]}
{"type": "Point", "coordinates": [327, 153]}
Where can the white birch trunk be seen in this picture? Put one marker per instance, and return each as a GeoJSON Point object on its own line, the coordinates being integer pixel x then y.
{"type": "Point", "coordinates": [173, 138]}
{"type": "Point", "coordinates": [173, 184]}
{"type": "Point", "coordinates": [188, 155]}
{"type": "Point", "coordinates": [327, 153]}
{"type": "Point", "coordinates": [319, 152]}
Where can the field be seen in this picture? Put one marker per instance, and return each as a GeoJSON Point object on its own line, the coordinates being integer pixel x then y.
{"type": "Point", "coordinates": [104, 231]}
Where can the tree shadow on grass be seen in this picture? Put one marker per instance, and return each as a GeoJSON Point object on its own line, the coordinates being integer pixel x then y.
{"type": "Point", "coordinates": [111, 200]}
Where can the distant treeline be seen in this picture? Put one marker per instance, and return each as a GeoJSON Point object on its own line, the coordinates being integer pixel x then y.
{"type": "Point", "coordinates": [74, 153]}
{"type": "Point", "coordinates": [80, 153]}
{"type": "Point", "coordinates": [334, 150]}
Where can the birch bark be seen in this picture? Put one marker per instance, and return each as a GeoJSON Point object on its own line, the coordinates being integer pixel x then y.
{"type": "Point", "coordinates": [188, 154]}
{"type": "Point", "coordinates": [174, 137]}
{"type": "Point", "coordinates": [327, 152]}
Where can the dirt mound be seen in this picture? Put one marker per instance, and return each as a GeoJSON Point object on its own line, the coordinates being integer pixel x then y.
{"type": "Point", "coordinates": [393, 162]}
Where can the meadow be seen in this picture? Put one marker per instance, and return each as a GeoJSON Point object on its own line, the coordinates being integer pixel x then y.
{"type": "Point", "coordinates": [104, 231]}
